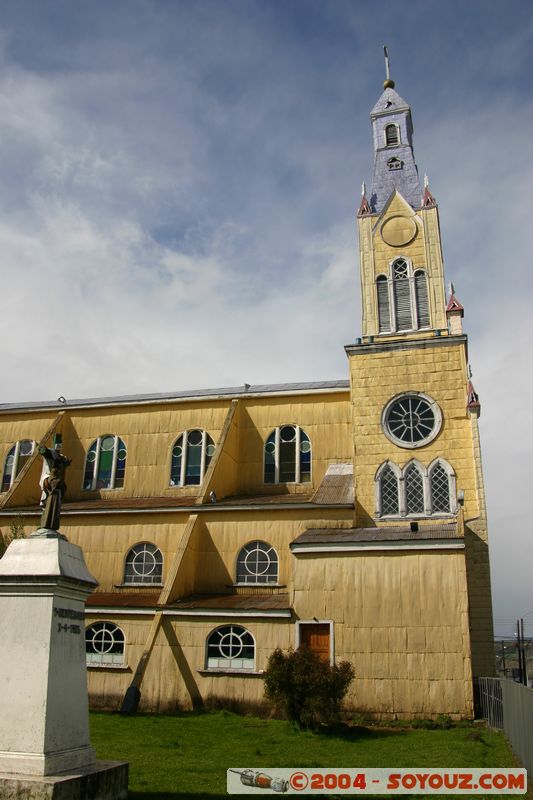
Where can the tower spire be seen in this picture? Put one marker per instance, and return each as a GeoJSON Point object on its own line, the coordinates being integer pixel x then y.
{"type": "Point", "coordinates": [394, 163]}
{"type": "Point", "coordinates": [387, 83]}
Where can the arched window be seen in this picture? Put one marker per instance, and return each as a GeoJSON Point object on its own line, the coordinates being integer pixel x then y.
{"type": "Point", "coordinates": [442, 488]}
{"type": "Point", "coordinates": [104, 645]}
{"type": "Point", "coordinates": [408, 292]}
{"type": "Point", "coordinates": [230, 647]}
{"type": "Point", "coordinates": [143, 564]}
{"type": "Point", "coordinates": [191, 455]}
{"type": "Point", "coordinates": [382, 288]}
{"type": "Point", "coordinates": [402, 295]}
{"type": "Point", "coordinates": [105, 464]}
{"type": "Point", "coordinates": [388, 494]}
{"type": "Point", "coordinates": [288, 455]}
{"type": "Point", "coordinates": [392, 134]}
{"type": "Point", "coordinates": [414, 490]}
{"type": "Point", "coordinates": [16, 458]}
{"type": "Point", "coordinates": [421, 297]}
{"type": "Point", "coordinates": [257, 562]}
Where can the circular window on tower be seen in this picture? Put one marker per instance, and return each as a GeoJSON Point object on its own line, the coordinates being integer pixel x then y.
{"type": "Point", "coordinates": [411, 420]}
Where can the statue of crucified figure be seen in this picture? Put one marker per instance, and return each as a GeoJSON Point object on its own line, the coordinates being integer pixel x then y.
{"type": "Point", "coordinates": [53, 484]}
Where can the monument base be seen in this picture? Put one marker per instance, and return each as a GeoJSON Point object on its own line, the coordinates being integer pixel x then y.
{"type": "Point", "coordinates": [66, 760]}
{"type": "Point", "coordinates": [103, 780]}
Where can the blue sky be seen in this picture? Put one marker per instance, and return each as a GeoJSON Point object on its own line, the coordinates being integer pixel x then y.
{"type": "Point", "coordinates": [178, 185]}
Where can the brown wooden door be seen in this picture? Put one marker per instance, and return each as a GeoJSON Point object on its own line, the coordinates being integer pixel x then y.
{"type": "Point", "coordinates": [316, 635]}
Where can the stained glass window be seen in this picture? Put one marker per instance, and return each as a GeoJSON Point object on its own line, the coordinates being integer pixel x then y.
{"type": "Point", "coordinates": [287, 456]}
{"type": "Point", "coordinates": [105, 464]}
{"type": "Point", "coordinates": [270, 458]}
{"type": "Point", "coordinates": [17, 457]}
{"type": "Point", "coordinates": [191, 455]}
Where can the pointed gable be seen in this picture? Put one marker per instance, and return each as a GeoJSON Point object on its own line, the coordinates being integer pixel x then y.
{"type": "Point", "coordinates": [364, 208]}
{"type": "Point", "coordinates": [472, 398]}
{"type": "Point", "coordinates": [454, 306]}
{"type": "Point", "coordinates": [389, 101]}
{"type": "Point", "coordinates": [395, 204]}
{"type": "Point", "coordinates": [428, 200]}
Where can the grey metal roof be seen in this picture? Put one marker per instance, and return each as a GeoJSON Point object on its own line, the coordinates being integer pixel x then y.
{"type": "Point", "coordinates": [389, 102]}
{"type": "Point", "coordinates": [165, 397]}
{"type": "Point", "coordinates": [445, 530]}
{"type": "Point", "coordinates": [239, 601]}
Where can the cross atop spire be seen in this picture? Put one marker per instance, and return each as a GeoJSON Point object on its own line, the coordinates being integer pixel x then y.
{"type": "Point", "coordinates": [388, 83]}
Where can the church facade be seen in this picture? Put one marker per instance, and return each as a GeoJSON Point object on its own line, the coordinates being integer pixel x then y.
{"type": "Point", "coordinates": [346, 515]}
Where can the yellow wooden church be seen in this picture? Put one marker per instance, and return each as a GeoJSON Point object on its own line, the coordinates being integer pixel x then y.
{"type": "Point", "coordinates": [347, 515]}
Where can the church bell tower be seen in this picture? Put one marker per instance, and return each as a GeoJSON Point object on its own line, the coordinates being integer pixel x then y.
{"type": "Point", "coordinates": [417, 460]}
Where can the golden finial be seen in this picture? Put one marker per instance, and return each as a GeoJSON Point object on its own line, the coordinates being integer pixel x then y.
{"type": "Point", "coordinates": [387, 83]}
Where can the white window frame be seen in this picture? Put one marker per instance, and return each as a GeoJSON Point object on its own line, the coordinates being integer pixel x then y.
{"type": "Point", "coordinates": [398, 134]}
{"type": "Point", "coordinates": [96, 462]}
{"type": "Point", "coordinates": [329, 622]}
{"type": "Point", "coordinates": [425, 471]}
{"type": "Point", "coordinates": [452, 485]}
{"type": "Point", "coordinates": [16, 457]}
{"type": "Point", "coordinates": [237, 670]}
{"type": "Point", "coordinates": [106, 664]}
{"type": "Point", "coordinates": [141, 582]}
{"type": "Point", "coordinates": [256, 583]}
{"type": "Point", "coordinates": [437, 413]}
{"type": "Point", "coordinates": [377, 485]}
{"type": "Point", "coordinates": [185, 446]}
{"type": "Point", "coordinates": [297, 467]}
{"type": "Point", "coordinates": [422, 470]}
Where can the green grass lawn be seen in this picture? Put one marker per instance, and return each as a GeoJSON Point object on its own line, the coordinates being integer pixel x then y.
{"type": "Point", "coordinates": [187, 755]}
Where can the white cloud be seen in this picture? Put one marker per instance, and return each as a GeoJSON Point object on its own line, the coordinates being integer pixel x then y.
{"type": "Point", "coordinates": [178, 185]}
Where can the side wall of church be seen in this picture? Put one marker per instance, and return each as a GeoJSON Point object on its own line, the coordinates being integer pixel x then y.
{"type": "Point", "coordinates": [149, 432]}
{"type": "Point", "coordinates": [408, 643]}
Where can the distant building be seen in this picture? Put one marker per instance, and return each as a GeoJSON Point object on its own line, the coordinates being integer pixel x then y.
{"type": "Point", "coordinates": [346, 515]}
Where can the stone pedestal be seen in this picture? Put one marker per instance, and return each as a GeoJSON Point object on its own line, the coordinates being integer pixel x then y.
{"type": "Point", "coordinates": [44, 722]}
{"type": "Point", "coordinates": [105, 780]}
